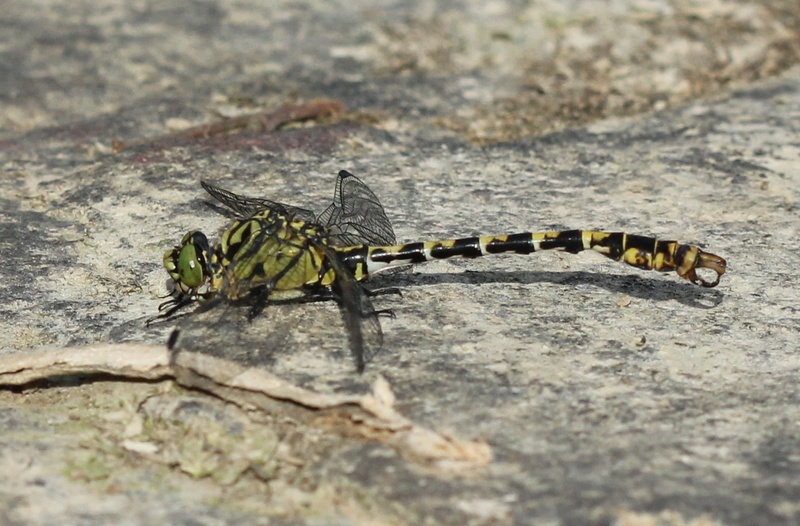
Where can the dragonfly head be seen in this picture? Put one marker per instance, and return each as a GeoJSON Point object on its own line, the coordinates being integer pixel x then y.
{"type": "Point", "coordinates": [188, 263]}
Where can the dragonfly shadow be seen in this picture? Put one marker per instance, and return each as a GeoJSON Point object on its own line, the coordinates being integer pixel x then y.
{"type": "Point", "coordinates": [637, 286]}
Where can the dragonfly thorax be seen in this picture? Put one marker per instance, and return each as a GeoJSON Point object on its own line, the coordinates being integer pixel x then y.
{"type": "Point", "coordinates": [272, 251]}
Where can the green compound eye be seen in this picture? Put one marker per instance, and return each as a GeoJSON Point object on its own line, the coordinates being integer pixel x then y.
{"type": "Point", "coordinates": [186, 263]}
{"type": "Point", "coordinates": [189, 268]}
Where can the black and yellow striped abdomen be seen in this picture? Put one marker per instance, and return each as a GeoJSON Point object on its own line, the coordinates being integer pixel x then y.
{"type": "Point", "coordinates": [639, 251]}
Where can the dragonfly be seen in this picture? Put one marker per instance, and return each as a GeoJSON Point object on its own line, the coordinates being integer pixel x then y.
{"type": "Point", "coordinates": [275, 252]}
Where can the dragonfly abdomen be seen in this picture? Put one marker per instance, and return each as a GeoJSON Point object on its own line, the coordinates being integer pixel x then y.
{"type": "Point", "coordinates": [639, 251]}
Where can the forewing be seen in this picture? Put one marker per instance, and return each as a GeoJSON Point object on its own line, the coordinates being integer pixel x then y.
{"type": "Point", "coordinates": [246, 207]}
{"type": "Point", "coordinates": [356, 216]}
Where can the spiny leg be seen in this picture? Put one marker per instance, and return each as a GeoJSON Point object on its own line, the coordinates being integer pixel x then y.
{"type": "Point", "coordinates": [176, 305]}
{"type": "Point", "coordinates": [260, 296]}
{"type": "Point", "coordinates": [383, 313]}
{"type": "Point", "coordinates": [383, 291]}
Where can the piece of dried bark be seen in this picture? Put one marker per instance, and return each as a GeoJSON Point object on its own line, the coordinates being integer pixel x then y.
{"type": "Point", "coordinates": [370, 416]}
{"type": "Point", "coordinates": [265, 122]}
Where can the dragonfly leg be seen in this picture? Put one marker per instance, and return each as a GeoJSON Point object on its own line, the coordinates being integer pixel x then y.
{"type": "Point", "coordinates": [317, 294]}
{"type": "Point", "coordinates": [171, 307]}
{"type": "Point", "coordinates": [385, 313]}
{"type": "Point", "coordinates": [383, 291]}
{"type": "Point", "coordinates": [260, 296]}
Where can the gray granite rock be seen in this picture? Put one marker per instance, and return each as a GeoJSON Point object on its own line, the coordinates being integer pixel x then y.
{"type": "Point", "coordinates": [607, 394]}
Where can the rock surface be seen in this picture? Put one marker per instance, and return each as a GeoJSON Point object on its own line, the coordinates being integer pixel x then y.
{"type": "Point", "coordinates": [607, 394]}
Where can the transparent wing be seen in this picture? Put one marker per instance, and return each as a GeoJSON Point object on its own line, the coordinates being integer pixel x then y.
{"type": "Point", "coordinates": [356, 216]}
{"type": "Point", "coordinates": [360, 317]}
{"type": "Point", "coordinates": [248, 206]}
